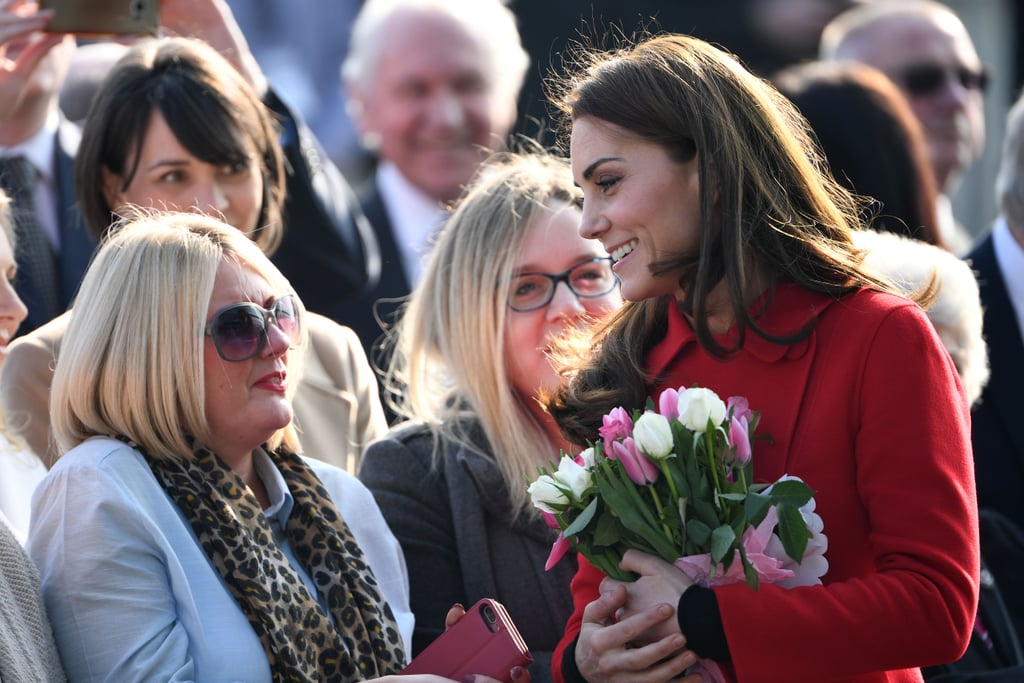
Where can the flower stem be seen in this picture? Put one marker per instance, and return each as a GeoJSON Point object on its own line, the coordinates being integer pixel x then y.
{"type": "Point", "coordinates": [661, 514]}
{"type": "Point", "coordinates": [709, 443]}
{"type": "Point", "coordinates": [668, 477]}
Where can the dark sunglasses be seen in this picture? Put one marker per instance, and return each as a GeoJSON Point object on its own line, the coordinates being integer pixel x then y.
{"type": "Point", "coordinates": [927, 79]}
{"type": "Point", "coordinates": [240, 331]}
{"type": "Point", "coordinates": [587, 280]}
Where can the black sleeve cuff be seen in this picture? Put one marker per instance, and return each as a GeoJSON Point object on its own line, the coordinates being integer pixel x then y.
{"type": "Point", "coordinates": [571, 672]}
{"type": "Point", "coordinates": [701, 623]}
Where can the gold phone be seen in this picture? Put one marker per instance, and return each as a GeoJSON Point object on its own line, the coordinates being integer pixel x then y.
{"type": "Point", "coordinates": [103, 17]}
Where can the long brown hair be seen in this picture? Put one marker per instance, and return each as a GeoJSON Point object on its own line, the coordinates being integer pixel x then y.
{"type": "Point", "coordinates": [768, 207]}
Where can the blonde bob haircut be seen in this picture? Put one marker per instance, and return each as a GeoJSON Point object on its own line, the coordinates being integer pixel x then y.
{"type": "Point", "coordinates": [131, 363]}
{"type": "Point", "coordinates": [449, 347]}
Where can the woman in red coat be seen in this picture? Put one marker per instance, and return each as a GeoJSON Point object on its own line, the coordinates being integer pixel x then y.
{"type": "Point", "coordinates": [734, 250]}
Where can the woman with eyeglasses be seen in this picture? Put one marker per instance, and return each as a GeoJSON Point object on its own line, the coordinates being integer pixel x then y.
{"type": "Point", "coordinates": [507, 275]}
{"type": "Point", "coordinates": [180, 537]}
{"type": "Point", "coordinates": [736, 256]}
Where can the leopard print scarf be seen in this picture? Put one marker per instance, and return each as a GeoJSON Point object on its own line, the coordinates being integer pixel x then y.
{"type": "Point", "coordinates": [300, 641]}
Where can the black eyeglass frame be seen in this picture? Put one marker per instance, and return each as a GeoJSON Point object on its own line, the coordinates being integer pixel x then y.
{"type": "Point", "coordinates": [268, 315]}
{"type": "Point", "coordinates": [922, 80]}
{"type": "Point", "coordinates": [555, 278]}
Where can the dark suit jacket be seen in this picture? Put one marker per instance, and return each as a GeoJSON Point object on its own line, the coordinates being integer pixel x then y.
{"type": "Point", "coordinates": [329, 252]}
{"type": "Point", "coordinates": [76, 245]}
{"type": "Point", "coordinates": [382, 301]}
{"type": "Point", "coordinates": [996, 431]}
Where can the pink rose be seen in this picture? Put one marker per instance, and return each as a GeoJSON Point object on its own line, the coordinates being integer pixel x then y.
{"type": "Point", "coordinates": [616, 425]}
{"type": "Point", "coordinates": [641, 470]}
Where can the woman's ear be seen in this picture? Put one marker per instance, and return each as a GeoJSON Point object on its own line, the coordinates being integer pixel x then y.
{"type": "Point", "coordinates": [112, 185]}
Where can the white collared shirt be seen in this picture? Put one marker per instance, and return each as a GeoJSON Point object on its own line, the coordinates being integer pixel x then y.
{"type": "Point", "coordinates": [954, 235]}
{"type": "Point", "coordinates": [415, 218]}
{"type": "Point", "coordinates": [39, 150]}
{"type": "Point", "coordinates": [1010, 257]}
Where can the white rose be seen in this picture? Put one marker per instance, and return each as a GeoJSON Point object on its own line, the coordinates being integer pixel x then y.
{"type": "Point", "coordinates": [697, 406]}
{"type": "Point", "coordinates": [546, 495]}
{"type": "Point", "coordinates": [653, 435]}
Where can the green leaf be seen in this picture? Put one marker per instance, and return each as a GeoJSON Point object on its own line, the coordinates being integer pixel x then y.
{"type": "Point", "coordinates": [756, 507]}
{"type": "Point", "coordinates": [722, 540]}
{"type": "Point", "coordinates": [607, 531]}
{"type": "Point", "coordinates": [793, 532]}
{"type": "Point", "coordinates": [706, 512]}
{"type": "Point", "coordinates": [751, 575]}
{"type": "Point", "coordinates": [623, 497]}
{"type": "Point", "coordinates": [791, 492]}
{"type": "Point", "coordinates": [698, 531]}
{"type": "Point", "coordinates": [581, 521]}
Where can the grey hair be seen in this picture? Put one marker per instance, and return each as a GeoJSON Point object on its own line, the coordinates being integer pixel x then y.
{"type": "Point", "coordinates": [1010, 181]}
{"type": "Point", "coordinates": [841, 36]}
{"type": "Point", "coordinates": [490, 22]}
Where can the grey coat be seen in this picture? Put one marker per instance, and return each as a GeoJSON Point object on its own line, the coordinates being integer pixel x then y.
{"type": "Point", "coordinates": [454, 526]}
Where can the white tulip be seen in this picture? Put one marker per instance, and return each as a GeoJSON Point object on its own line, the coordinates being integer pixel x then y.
{"type": "Point", "coordinates": [547, 495]}
{"type": "Point", "coordinates": [653, 435]}
{"type": "Point", "coordinates": [697, 406]}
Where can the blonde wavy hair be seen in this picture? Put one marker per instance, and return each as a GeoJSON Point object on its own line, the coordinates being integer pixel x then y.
{"type": "Point", "coordinates": [132, 360]}
{"type": "Point", "coordinates": [449, 347]}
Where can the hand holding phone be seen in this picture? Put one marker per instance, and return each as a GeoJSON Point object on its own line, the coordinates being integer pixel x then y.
{"type": "Point", "coordinates": [484, 641]}
{"type": "Point", "coordinates": [103, 17]}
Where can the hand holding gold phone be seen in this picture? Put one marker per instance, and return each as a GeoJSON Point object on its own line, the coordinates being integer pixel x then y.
{"type": "Point", "coordinates": [103, 17]}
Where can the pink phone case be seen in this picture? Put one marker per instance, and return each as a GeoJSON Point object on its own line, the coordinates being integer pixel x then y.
{"type": "Point", "coordinates": [484, 641]}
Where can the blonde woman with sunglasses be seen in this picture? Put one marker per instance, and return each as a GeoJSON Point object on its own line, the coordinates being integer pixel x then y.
{"type": "Point", "coordinates": [181, 536]}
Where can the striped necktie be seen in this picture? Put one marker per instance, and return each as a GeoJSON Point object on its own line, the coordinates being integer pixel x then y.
{"type": "Point", "coordinates": [37, 281]}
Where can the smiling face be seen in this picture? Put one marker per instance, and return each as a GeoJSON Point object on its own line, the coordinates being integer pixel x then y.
{"type": "Point", "coordinates": [432, 104]}
{"type": "Point", "coordinates": [552, 245]}
{"type": "Point", "coordinates": [170, 178]}
{"type": "Point", "coordinates": [12, 310]}
{"type": "Point", "coordinates": [643, 206]}
{"type": "Point", "coordinates": [246, 400]}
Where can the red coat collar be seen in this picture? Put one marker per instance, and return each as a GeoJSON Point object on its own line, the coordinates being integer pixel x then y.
{"type": "Point", "coordinates": [789, 309]}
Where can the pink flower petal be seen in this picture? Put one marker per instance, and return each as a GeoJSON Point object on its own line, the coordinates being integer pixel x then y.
{"type": "Point", "coordinates": [558, 550]}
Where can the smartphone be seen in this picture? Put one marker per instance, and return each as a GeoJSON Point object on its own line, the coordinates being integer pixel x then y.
{"type": "Point", "coordinates": [484, 641]}
{"type": "Point", "coordinates": [103, 17]}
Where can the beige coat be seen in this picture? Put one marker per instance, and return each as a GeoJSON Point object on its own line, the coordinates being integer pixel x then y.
{"type": "Point", "coordinates": [337, 404]}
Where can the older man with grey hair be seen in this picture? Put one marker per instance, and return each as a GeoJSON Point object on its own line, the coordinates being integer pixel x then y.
{"type": "Point", "coordinates": [923, 46]}
{"type": "Point", "coordinates": [999, 262]}
{"type": "Point", "coordinates": [432, 86]}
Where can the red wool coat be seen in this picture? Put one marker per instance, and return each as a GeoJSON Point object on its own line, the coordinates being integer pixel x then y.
{"type": "Point", "coordinates": [870, 413]}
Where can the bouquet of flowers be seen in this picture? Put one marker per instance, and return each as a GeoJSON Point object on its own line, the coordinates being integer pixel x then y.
{"type": "Point", "coordinates": [675, 481]}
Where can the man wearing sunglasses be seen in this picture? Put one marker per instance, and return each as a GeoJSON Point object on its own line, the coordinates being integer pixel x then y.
{"type": "Point", "coordinates": [925, 49]}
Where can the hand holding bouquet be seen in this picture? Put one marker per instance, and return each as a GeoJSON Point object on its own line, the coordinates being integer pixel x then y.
{"type": "Point", "coordinates": [675, 482]}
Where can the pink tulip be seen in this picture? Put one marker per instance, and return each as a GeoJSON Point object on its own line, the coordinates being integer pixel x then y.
{"type": "Point", "coordinates": [739, 406]}
{"type": "Point", "coordinates": [739, 437]}
{"type": "Point", "coordinates": [558, 550]}
{"type": "Point", "coordinates": [638, 468]}
{"type": "Point", "coordinates": [668, 404]}
{"type": "Point", "coordinates": [617, 424]}
{"type": "Point", "coordinates": [549, 519]}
